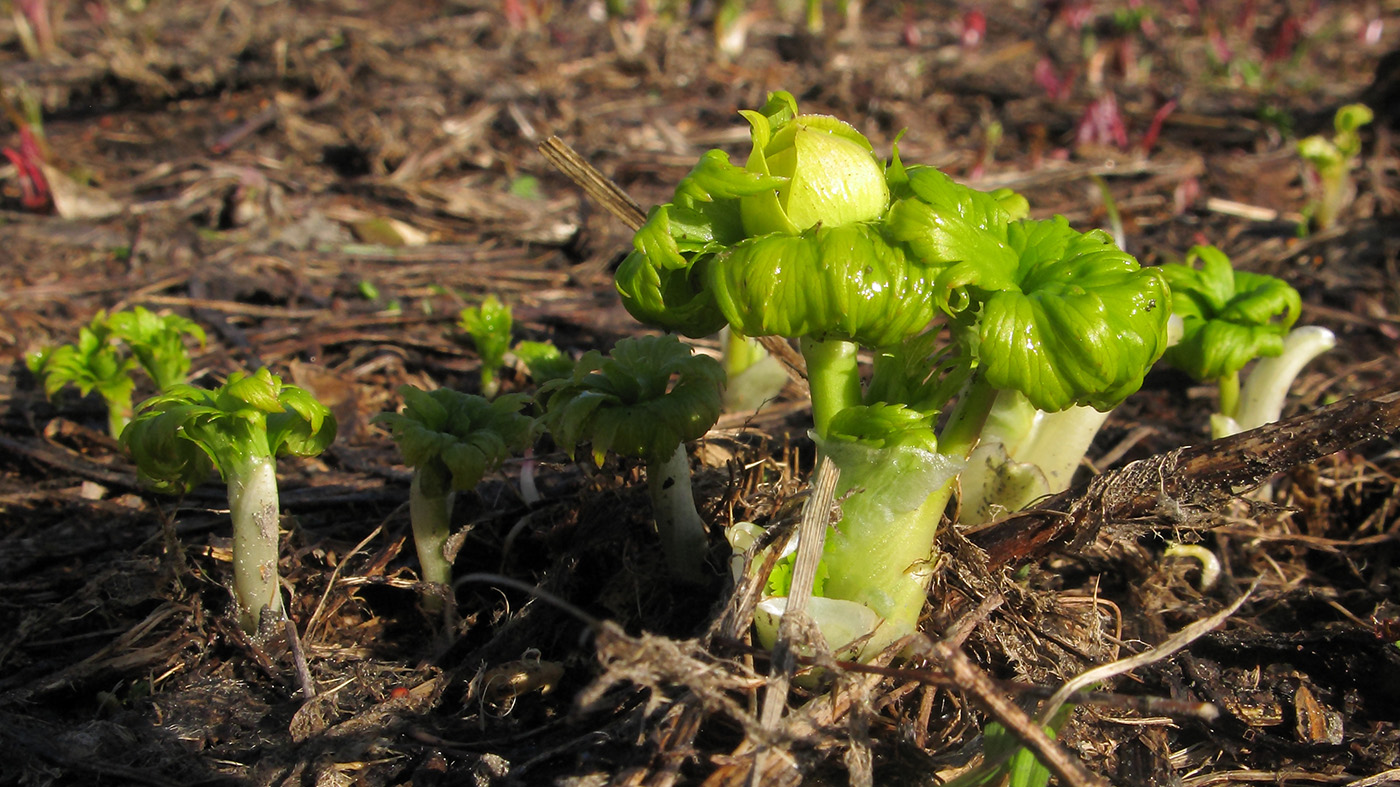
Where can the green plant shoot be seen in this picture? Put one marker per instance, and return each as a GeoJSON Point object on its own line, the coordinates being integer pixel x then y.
{"type": "Point", "coordinates": [109, 348]}
{"type": "Point", "coordinates": [1330, 162]}
{"type": "Point", "coordinates": [489, 327]}
{"type": "Point", "coordinates": [646, 400]}
{"type": "Point", "coordinates": [1228, 319]}
{"type": "Point", "coordinates": [451, 440]}
{"type": "Point", "coordinates": [239, 429]}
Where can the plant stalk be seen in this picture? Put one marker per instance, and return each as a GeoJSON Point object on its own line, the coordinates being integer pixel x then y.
{"type": "Point", "coordinates": [431, 516]}
{"type": "Point", "coordinates": [253, 504]}
{"type": "Point", "coordinates": [683, 537]}
{"type": "Point", "coordinates": [833, 374]}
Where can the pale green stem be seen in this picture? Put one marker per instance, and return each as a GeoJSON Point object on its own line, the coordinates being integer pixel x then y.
{"type": "Point", "coordinates": [118, 415]}
{"type": "Point", "coordinates": [833, 374]}
{"type": "Point", "coordinates": [431, 516]}
{"type": "Point", "coordinates": [253, 504]}
{"type": "Point", "coordinates": [965, 422]}
{"type": "Point", "coordinates": [1229, 386]}
{"type": "Point", "coordinates": [683, 537]}
{"type": "Point", "coordinates": [1261, 400]}
{"type": "Point", "coordinates": [878, 555]}
{"type": "Point", "coordinates": [752, 376]}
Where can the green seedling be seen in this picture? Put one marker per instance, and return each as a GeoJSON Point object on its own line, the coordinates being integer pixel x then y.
{"type": "Point", "coordinates": [815, 239]}
{"type": "Point", "coordinates": [451, 440]}
{"type": "Point", "coordinates": [646, 400]}
{"type": "Point", "coordinates": [109, 348]}
{"type": "Point", "coordinates": [543, 361]}
{"type": "Point", "coordinates": [1330, 163]}
{"type": "Point", "coordinates": [1230, 318]}
{"type": "Point", "coordinates": [181, 436]}
{"type": "Point", "coordinates": [489, 327]}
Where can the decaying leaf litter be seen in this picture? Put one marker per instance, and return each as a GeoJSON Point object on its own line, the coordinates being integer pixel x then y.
{"type": "Point", "coordinates": [253, 167]}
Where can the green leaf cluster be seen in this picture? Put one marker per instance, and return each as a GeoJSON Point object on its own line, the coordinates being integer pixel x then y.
{"type": "Point", "coordinates": [1332, 157]}
{"type": "Point", "coordinates": [109, 348]}
{"type": "Point", "coordinates": [94, 363]}
{"type": "Point", "coordinates": [489, 326]}
{"type": "Point", "coordinates": [179, 437]}
{"type": "Point", "coordinates": [453, 439]}
{"type": "Point", "coordinates": [777, 249]}
{"type": "Point", "coordinates": [650, 395]}
{"type": "Point", "coordinates": [1229, 317]}
{"type": "Point", "coordinates": [157, 342]}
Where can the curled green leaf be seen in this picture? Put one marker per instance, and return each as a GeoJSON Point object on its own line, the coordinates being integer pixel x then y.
{"type": "Point", "coordinates": [1229, 317]}
{"type": "Point", "coordinates": [454, 438]}
{"type": "Point", "coordinates": [1082, 324]}
{"type": "Point", "coordinates": [829, 173]}
{"type": "Point", "coordinates": [649, 396]}
{"type": "Point", "coordinates": [848, 282]}
{"type": "Point", "coordinates": [250, 416]}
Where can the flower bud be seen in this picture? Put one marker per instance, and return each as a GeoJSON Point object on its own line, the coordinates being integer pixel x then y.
{"type": "Point", "coordinates": [832, 175]}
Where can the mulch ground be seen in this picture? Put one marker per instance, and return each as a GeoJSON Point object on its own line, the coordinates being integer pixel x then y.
{"type": "Point", "coordinates": [324, 186]}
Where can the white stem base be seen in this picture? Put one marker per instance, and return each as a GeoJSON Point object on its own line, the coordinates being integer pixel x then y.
{"type": "Point", "coordinates": [253, 503]}
{"type": "Point", "coordinates": [682, 531]}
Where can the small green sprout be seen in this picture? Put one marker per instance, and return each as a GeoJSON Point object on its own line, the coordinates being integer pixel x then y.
{"type": "Point", "coordinates": [102, 361]}
{"type": "Point", "coordinates": [158, 342]}
{"type": "Point", "coordinates": [451, 440]}
{"type": "Point", "coordinates": [180, 436]}
{"type": "Point", "coordinates": [1330, 162]}
{"type": "Point", "coordinates": [646, 400]}
{"type": "Point", "coordinates": [543, 360]}
{"type": "Point", "coordinates": [489, 327]}
{"type": "Point", "coordinates": [1230, 318]}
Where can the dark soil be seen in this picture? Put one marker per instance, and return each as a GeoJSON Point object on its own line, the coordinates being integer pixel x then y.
{"type": "Point", "coordinates": [247, 155]}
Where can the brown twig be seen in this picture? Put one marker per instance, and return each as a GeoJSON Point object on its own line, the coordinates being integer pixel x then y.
{"type": "Point", "coordinates": [982, 690]}
{"type": "Point", "coordinates": [1170, 487]}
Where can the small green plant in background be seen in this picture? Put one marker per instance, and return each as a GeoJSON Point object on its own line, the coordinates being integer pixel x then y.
{"type": "Point", "coordinates": [646, 400]}
{"type": "Point", "coordinates": [109, 348]}
{"type": "Point", "coordinates": [181, 436]}
{"type": "Point", "coordinates": [451, 440]}
{"type": "Point", "coordinates": [489, 327]}
{"type": "Point", "coordinates": [1329, 164]}
{"type": "Point", "coordinates": [1230, 318]}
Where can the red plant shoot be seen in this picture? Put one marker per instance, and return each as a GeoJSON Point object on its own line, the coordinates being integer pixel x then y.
{"type": "Point", "coordinates": [34, 189]}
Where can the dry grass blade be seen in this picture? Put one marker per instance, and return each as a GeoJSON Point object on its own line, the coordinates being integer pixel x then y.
{"type": "Point", "coordinates": [811, 535]}
{"type": "Point", "coordinates": [594, 183]}
{"type": "Point", "coordinates": [1176, 642]}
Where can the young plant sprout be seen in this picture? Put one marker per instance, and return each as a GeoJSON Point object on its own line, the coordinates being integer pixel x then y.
{"type": "Point", "coordinates": [158, 342]}
{"type": "Point", "coordinates": [1329, 164]}
{"type": "Point", "coordinates": [815, 239]}
{"type": "Point", "coordinates": [647, 399]}
{"type": "Point", "coordinates": [543, 360]}
{"type": "Point", "coordinates": [98, 362]}
{"type": "Point", "coordinates": [178, 437]}
{"type": "Point", "coordinates": [1230, 318]}
{"type": "Point", "coordinates": [489, 326]}
{"type": "Point", "coordinates": [451, 440]}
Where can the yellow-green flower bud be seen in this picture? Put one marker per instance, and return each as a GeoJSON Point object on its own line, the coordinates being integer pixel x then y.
{"type": "Point", "coordinates": [832, 175]}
